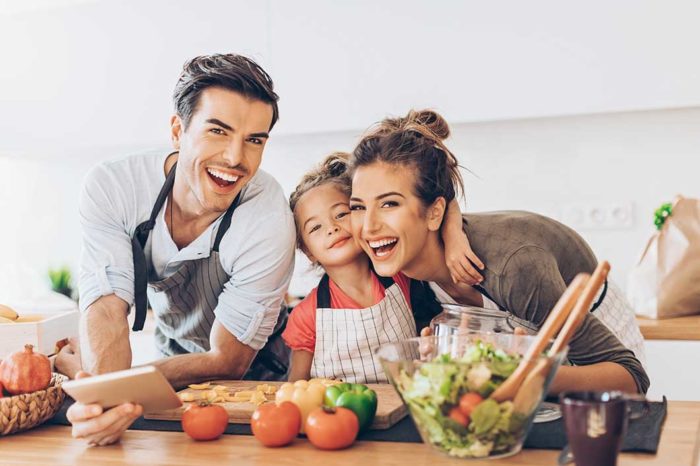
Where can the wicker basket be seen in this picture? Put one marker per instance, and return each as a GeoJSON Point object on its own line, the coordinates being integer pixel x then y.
{"type": "Point", "coordinates": [23, 412]}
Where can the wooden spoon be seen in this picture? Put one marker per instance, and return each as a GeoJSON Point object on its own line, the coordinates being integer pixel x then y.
{"type": "Point", "coordinates": [530, 392]}
{"type": "Point", "coordinates": [509, 388]}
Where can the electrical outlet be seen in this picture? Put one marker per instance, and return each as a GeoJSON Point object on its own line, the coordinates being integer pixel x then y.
{"type": "Point", "coordinates": [599, 216]}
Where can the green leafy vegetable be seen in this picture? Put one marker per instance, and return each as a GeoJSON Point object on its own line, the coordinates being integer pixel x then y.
{"type": "Point", "coordinates": [436, 387]}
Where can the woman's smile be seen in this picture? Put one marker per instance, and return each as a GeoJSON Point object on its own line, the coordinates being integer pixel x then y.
{"type": "Point", "coordinates": [382, 248]}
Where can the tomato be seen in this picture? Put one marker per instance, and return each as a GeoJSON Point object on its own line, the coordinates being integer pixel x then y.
{"type": "Point", "coordinates": [458, 416]}
{"type": "Point", "coordinates": [204, 421]}
{"type": "Point", "coordinates": [332, 428]}
{"type": "Point", "coordinates": [468, 402]}
{"type": "Point", "coordinates": [1, 395]}
{"type": "Point", "coordinates": [276, 425]}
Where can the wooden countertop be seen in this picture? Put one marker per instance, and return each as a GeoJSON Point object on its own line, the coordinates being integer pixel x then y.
{"type": "Point", "coordinates": [52, 445]}
{"type": "Point", "coordinates": [677, 328]}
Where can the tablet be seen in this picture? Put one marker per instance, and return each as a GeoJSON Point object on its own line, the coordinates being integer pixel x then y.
{"type": "Point", "coordinates": [141, 385]}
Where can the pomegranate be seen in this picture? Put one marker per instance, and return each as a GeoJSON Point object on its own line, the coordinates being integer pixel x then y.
{"type": "Point", "coordinates": [25, 371]}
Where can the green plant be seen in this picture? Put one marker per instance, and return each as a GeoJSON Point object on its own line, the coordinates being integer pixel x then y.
{"type": "Point", "coordinates": [61, 281]}
{"type": "Point", "coordinates": [661, 214]}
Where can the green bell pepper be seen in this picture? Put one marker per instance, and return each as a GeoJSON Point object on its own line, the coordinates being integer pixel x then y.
{"type": "Point", "coordinates": [356, 397]}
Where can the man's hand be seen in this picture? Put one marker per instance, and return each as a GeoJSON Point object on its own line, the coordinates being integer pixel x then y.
{"type": "Point", "coordinates": [68, 359]}
{"type": "Point", "coordinates": [99, 427]}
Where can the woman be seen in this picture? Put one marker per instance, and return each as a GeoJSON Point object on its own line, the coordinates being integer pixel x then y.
{"type": "Point", "coordinates": [404, 177]}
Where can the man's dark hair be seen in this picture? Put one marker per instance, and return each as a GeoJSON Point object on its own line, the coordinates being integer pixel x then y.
{"type": "Point", "coordinates": [229, 71]}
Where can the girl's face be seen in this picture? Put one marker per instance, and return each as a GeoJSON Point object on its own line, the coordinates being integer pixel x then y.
{"type": "Point", "coordinates": [389, 221]}
{"type": "Point", "coordinates": [323, 219]}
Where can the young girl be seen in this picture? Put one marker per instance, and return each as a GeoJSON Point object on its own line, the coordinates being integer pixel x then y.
{"type": "Point", "coordinates": [403, 179]}
{"type": "Point", "coordinates": [333, 331]}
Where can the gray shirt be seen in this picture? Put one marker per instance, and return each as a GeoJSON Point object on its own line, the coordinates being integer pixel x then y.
{"type": "Point", "coordinates": [530, 260]}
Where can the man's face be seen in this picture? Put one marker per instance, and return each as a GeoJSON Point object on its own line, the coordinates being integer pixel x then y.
{"type": "Point", "coordinates": [220, 150]}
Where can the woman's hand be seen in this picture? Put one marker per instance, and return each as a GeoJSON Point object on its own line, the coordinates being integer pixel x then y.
{"type": "Point", "coordinates": [460, 260]}
{"type": "Point", "coordinates": [99, 427]}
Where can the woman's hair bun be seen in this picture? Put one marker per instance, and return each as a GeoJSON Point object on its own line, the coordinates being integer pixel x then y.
{"type": "Point", "coordinates": [431, 120]}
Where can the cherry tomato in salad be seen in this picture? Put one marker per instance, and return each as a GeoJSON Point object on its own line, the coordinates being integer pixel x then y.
{"type": "Point", "coordinates": [276, 425]}
{"type": "Point", "coordinates": [458, 416]}
{"type": "Point", "coordinates": [468, 402]}
{"type": "Point", "coordinates": [204, 421]}
{"type": "Point", "coordinates": [332, 428]}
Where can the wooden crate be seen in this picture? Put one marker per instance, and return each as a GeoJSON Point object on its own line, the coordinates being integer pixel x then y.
{"type": "Point", "coordinates": [40, 330]}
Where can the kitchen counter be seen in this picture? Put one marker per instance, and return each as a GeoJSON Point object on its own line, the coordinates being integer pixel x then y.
{"type": "Point", "coordinates": [53, 445]}
{"type": "Point", "coordinates": [676, 328]}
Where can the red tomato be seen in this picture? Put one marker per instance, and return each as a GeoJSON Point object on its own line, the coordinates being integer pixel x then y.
{"type": "Point", "coordinates": [1, 395]}
{"type": "Point", "coordinates": [468, 402]}
{"type": "Point", "coordinates": [204, 421]}
{"type": "Point", "coordinates": [276, 425]}
{"type": "Point", "coordinates": [458, 416]}
{"type": "Point", "coordinates": [332, 429]}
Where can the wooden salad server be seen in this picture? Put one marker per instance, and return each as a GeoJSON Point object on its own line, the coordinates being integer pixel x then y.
{"type": "Point", "coordinates": [530, 392]}
{"type": "Point", "coordinates": [509, 388]}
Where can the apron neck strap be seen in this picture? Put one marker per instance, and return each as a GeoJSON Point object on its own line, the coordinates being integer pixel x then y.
{"type": "Point", "coordinates": [164, 193]}
{"type": "Point", "coordinates": [226, 222]}
{"type": "Point", "coordinates": [323, 292]}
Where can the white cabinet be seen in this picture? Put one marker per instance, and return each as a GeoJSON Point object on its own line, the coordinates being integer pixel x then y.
{"type": "Point", "coordinates": [672, 366]}
{"type": "Point", "coordinates": [344, 65]}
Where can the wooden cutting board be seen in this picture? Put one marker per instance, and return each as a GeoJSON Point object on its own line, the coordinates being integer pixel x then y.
{"type": "Point", "coordinates": [390, 408]}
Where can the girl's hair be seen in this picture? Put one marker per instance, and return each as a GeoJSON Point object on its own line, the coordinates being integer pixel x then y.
{"type": "Point", "coordinates": [414, 141]}
{"type": "Point", "coordinates": [333, 169]}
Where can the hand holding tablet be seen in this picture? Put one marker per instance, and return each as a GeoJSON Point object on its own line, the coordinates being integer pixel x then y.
{"type": "Point", "coordinates": [145, 386]}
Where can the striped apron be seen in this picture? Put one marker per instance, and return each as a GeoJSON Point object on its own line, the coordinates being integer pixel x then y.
{"type": "Point", "coordinates": [617, 314]}
{"type": "Point", "coordinates": [184, 302]}
{"type": "Point", "coordinates": [612, 309]}
{"type": "Point", "coordinates": [347, 338]}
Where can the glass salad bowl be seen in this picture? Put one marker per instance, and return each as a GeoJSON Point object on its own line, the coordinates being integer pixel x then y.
{"type": "Point", "coordinates": [446, 381]}
{"type": "Point", "coordinates": [454, 318]}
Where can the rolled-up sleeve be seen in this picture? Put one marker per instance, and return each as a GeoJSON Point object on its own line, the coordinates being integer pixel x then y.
{"type": "Point", "coordinates": [249, 305]}
{"type": "Point", "coordinates": [106, 265]}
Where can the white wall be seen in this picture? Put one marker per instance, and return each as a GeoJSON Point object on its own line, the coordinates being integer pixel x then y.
{"type": "Point", "coordinates": [81, 73]}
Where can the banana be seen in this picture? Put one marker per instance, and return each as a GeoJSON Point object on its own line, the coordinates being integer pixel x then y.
{"type": "Point", "coordinates": [4, 320]}
{"type": "Point", "coordinates": [8, 313]}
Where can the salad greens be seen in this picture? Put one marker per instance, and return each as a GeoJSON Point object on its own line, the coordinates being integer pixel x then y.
{"type": "Point", "coordinates": [436, 387]}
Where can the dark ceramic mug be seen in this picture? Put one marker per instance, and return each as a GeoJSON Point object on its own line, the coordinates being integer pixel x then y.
{"type": "Point", "coordinates": [596, 423]}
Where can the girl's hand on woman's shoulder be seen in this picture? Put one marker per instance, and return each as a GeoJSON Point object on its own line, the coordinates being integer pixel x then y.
{"type": "Point", "coordinates": [461, 260]}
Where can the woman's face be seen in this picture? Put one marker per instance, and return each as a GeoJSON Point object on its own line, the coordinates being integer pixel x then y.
{"type": "Point", "coordinates": [388, 220]}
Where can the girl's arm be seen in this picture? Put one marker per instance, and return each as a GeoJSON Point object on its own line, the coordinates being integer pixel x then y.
{"type": "Point", "coordinates": [458, 252]}
{"type": "Point", "coordinates": [301, 365]}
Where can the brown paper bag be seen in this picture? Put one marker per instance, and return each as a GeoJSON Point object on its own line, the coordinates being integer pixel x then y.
{"type": "Point", "coordinates": [666, 281]}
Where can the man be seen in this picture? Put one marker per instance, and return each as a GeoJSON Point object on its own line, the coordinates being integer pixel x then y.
{"type": "Point", "coordinates": [208, 235]}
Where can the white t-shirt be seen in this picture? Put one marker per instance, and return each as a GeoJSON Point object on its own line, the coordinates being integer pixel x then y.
{"type": "Point", "coordinates": [443, 297]}
{"type": "Point", "coordinates": [257, 251]}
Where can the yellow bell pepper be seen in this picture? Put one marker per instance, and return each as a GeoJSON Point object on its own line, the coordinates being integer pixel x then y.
{"type": "Point", "coordinates": [306, 394]}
